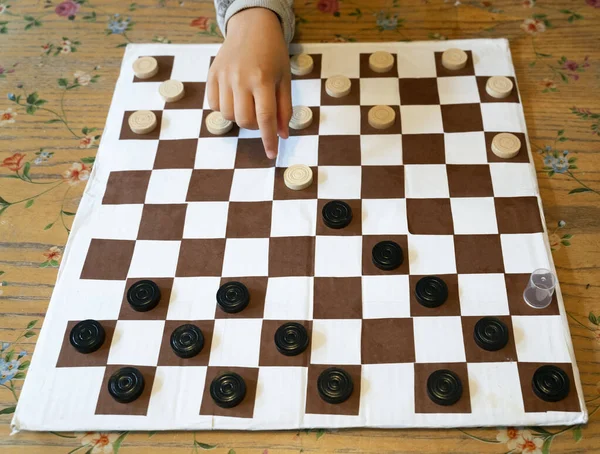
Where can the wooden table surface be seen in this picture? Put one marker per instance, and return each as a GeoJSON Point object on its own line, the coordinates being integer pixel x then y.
{"type": "Point", "coordinates": [58, 66]}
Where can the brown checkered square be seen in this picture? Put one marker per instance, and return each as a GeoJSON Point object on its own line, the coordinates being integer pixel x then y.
{"type": "Point", "coordinates": [533, 403]}
{"type": "Point", "coordinates": [166, 357]}
{"type": "Point", "coordinates": [337, 298]}
{"type": "Point", "coordinates": [462, 117]}
{"type": "Point", "coordinates": [478, 254]}
{"type": "Point", "coordinates": [366, 129]}
{"type": "Point", "coordinates": [313, 129]}
{"type": "Point", "coordinates": [69, 357]}
{"type": "Point", "coordinates": [128, 186]}
{"type": "Point", "coordinates": [423, 149]}
{"type": "Point", "coordinates": [159, 312]}
{"type": "Point", "coordinates": [108, 406]}
{"type": "Point", "coordinates": [382, 182]}
{"type": "Point", "coordinates": [193, 98]}
{"type": "Point", "coordinates": [316, 72]}
{"type": "Point", "coordinates": [165, 67]}
{"type": "Point", "coordinates": [203, 257]}
{"type": "Point", "coordinates": [235, 130]}
{"type": "Point", "coordinates": [291, 256]}
{"type": "Point", "coordinates": [270, 356]}
{"type": "Point", "coordinates": [450, 308]}
{"type": "Point", "coordinates": [518, 215]}
{"type": "Point", "coordinates": [468, 70]}
{"type": "Point", "coordinates": [353, 229]}
{"type": "Point", "coordinates": [316, 405]}
{"type": "Point", "coordinates": [369, 241]}
{"type": "Point", "coordinates": [522, 156]}
{"type": "Point", "coordinates": [176, 154]}
{"type": "Point", "coordinates": [257, 288]}
{"type": "Point", "coordinates": [210, 185]}
{"type": "Point", "coordinates": [128, 134]}
{"type": "Point", "coordinates": [246, 408]}
{"type": "Point", "coordinates": [429, 216]}
{"type": "Point", "coordinates": [423, 404]}
{"type": "Point", "coordinates": [162, 222]}
{"type": "Point", "coordinates": [470, 180]}
{"type": "Point", "coordinates": [108, 259]}
{"type": "Point", "coordinates": [282, 192]}
{"type": "Point", "coordinates": [249, 219]}
{"type": "Point", "coordinates": [351, 99]}
{"type": "Point", "coordinates": [515, 286]}
{"type": "Point", "coordinates": [475, 354]}
{"type": "Point", "coordinates": [251, 155]}
{"type": "Point", "coordinates": [387, 340]}
{"type": "Point", "coordinates": [366, 72]}
{"type": "Point", "coordinates": [417, 92]}
{"type": "Point", "coordinates": [339, 151]}
{"type": "Point", "coordinates": [483, 95]}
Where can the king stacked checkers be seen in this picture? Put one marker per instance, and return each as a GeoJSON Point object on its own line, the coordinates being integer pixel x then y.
{"type": "Point", "coordinates": [372, 275]}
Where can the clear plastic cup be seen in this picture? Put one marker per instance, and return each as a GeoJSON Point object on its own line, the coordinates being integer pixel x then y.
{"type": "Point", "coordinates": [540, 288]}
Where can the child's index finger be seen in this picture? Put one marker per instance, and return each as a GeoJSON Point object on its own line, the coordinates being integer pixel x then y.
{"type": "Point", "coordinates": [266, 116]}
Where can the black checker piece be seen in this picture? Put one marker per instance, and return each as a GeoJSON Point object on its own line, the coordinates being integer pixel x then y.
{"type": "Point", "coordinates": [444, 387]}
{"type": "Point", "coordinates": [143, 296]}
{"type": "Point", "coordinates": [550, 383]}
{"type": "Point", "coordinates": [387, 255]}
{"type": "Point", "coordinates": [228, 390]}
{"type": "Point", "coordinates": [431, 291]}
{"type": "Point", "coordinates": [126, 384]}
{"type": "Point", "coordinates": [491, 334]}
{"type": "Point", "coordinates": [335, 385]}
{"type": "Point", "coordinates": [291, 339]}
{"type": "Point", "coordinates": [187, 341]}
{"type": "Point", "coordinates": [87, 336]}
{"type": "Point", "coordinates": [233, 297]}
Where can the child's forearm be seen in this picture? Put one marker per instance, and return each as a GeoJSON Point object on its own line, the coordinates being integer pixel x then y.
{"type": "Point", "coordinates": [283, 8]}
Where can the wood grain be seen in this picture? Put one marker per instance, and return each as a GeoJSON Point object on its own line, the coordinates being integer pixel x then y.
{"type": "Point", "coordinates": [23, 239]}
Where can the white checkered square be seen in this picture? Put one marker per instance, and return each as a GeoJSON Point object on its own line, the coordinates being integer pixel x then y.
{"type": "Point", "coordinates": [536, 339]}
{"type": "Point", "coordinates": [289, 298]}
{"type": "Point", "coordinates": [140, 155]}
{"type": "Point", "coordinates": [524, 253]}
{"type": "Point", "coordinates": [482, 294]}
{"type": "Point", "coordinates": [339, 182]}
{"type": "Point", "coordinates": [154, 259]}
{"type": "Point", "coordinates": [336, 342]}
{"type": "Point", "coordinates": [494, 60]}
{"type": "Point", "coordinates": [338, 256]}
{"type": "Point", "coordinates": [339, 120]}
{"type": "Point", "coordinates": [431, 254]}
{"type": "Point", "coordinates": [193, 298]}
{"type": "Point", "coordinates": [439, 340]}
{"type": "Point", "coordinates": [426, 181]}
{"type": "Point", "coordinates": [384, 217]}
{"type": "Point", "coordinates": [136, 342]}
{"type": "Point", "coordinates": [117, 222]}
{"type": "Point", "coordinates": [168, 186]}
{"type": "Point", "coordinates": [495, 382]}
{"type": "Point", "coordinates": [294, 218]}
{"type": "Point", "coordinates": [206, 220]}
{"type": "Point", "coordinates": [502, 116]}
{"type": "Point", "coordinates": [189, 68]}
{"type": "Point", "coordinates": [465, 148]}
{"type": "Point", "coordinates": [246, 257]}
{"type": "Point", "coordinates": [474, 215]}
{"type": "Point", "coordinates": [384, 149]}
{"type": "Point", "coordinates": [396, 406]}
{"type": "Point", "coordinates": [249, 133]}
{"type": "Point", "coordinates": [458, 90]}
{"type": "Point", "coordinates": [306, 92]}
{"type": "Point", "coordinates": [143, 97]}
{"type": "Point", "coordinates": [379, 90]}
{"type": "Point", "coordinates": [181, 124]}
{"type": "Point", "coordinates": [386, 296]}
{"type": "Point", "coordinates": [298, 150]}
{"type": "Point", "coordinates": [252, 185]}
{"type": "Point", "coordinates": [285, 387]}
{"type": "Point", "coordinates": [216, 153]}
{"type": "Point", "coordinates": [421, 119]}
{"type": "Point", "coordinates": [513, 179]}
{"type": "Point", "coordinates": [236, 342]}
{"type": "Point", "coordinates": [416, 63]}
{"type": "Point", "coordinates": [336, 62]}
{"type": "Point", "coordinates": [95, 299]}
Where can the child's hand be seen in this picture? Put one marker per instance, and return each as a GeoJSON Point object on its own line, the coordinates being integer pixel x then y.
{"type": "Point", "coordinates": [249, 80]}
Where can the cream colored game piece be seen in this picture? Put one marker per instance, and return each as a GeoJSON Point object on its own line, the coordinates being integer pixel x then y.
{"type": "Point", "coordinates": [499, 86]}
{"type": "Point", "coordinates": [454, 59]}
{"type": "Point", "coordinates": [338, 86]}
{"type": "Point", "coordinates": [302, 117]}
{"type": "Point", "coordinates": [301, 64]}
{"type": "Point", "coordinates": [217, 125]}
{"type": "Point", "coordinates": [381, 61]}
{"type": "Point", "coordinates": [381, 117]}
{"type": "Point", "coordinates": [506, 145]}
{"type": "Point", "coordinates": [171, 90]}
{"type": "Point", "coordinates": [142, 121]}
{"type": "Point", "coordinates": [298, 177]}
{"type": "Point", "coordinates": [145, 67]}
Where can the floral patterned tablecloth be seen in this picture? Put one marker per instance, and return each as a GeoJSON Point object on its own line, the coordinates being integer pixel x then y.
{"type": "Point", "coordinates": [58, 65]}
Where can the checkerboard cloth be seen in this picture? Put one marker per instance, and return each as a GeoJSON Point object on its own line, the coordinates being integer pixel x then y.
{"type": "Point", "coordinates": [191, 211]}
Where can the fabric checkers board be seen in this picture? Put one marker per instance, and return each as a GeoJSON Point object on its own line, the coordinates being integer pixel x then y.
{"type": "Point", "coordinates": [191, 211]}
